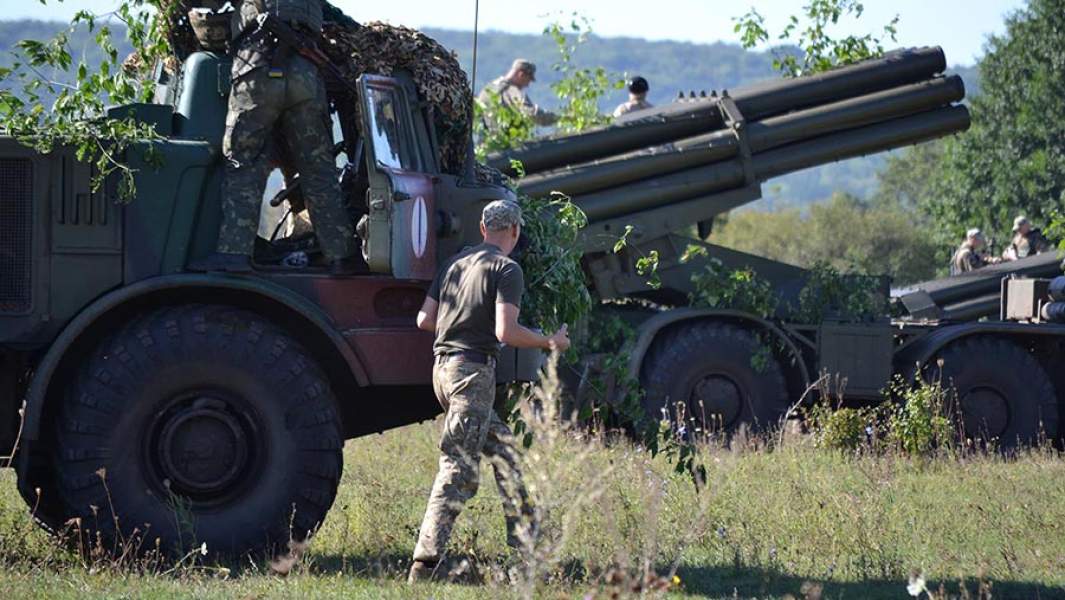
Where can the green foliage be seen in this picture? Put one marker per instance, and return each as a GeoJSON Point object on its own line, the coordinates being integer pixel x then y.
{"type": "Point", "coordinates": [842, 428]}
{"type": "Point", "coordinates": [907, 180]}
{"type": "Point", "coordinates": [579, 88]}
{"type": "Point", "coordinates": [1055, 229]}
{"type": "Point", "coordinates": [811, 32]}
{"type": "Point", "coordinates": [557, 292]}
{"type": "Point", "coordinates": [882, 237]}
{"type": "Point", "coordinates": [845, 297]}
{"type": "Point", "coordinates": [920, 424]}
{"type": "Point", "coordinates": [739, 289]}
{"type": "Point", "coordinates": [1012, 160]}
{"type": "Point", "coordinates": [49, 99]}
{"type": "Point", "coordinates": [499, 126]}
{"type": "Point", "coordinates": [646, 263]}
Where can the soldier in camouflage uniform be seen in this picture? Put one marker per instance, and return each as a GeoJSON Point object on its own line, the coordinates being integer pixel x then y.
{"type": "Point", "coordinates": [968, 256]}
{"type": "Point", "coordinates": [638, 89]}
{"type": "Point", "coordinates": [1027, 241]}
{"type": "Point", "coordinates": [473, 306]}
{"type": "Point", "coordinates": [511, 91]}
{"type": "Point", "coordinates": [274, 88]}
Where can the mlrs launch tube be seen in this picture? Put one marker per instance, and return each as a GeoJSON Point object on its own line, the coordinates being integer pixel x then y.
{"type": "Point", "coordinates": [677, 121]}
{"type": "Point", "coordinates": [762, 135]}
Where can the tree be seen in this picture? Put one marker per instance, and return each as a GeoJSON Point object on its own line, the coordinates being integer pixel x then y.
{"type": "Point", "coordinates": [43, 108]}
{"type": "Point", "coordinates": [907, 180]}
{"type": "Point", "coordinates": [843, 233]}
{"type": "Point", "coordinates": [820, 51]}
{"type": "Point", "coordinates": [1012, 160]}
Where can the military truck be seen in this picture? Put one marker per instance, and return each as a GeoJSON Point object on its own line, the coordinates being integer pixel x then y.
{"type": "Point", "coordinates": [152, 390]}
{"type": "Point", "coordinates": [665, 174]}
{"type": "Point", "coordinates": [148, 397]}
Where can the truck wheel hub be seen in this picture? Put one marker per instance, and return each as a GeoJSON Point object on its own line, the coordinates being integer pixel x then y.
{"type": "Point", "coordinates": [716, 401]}
{"type": "Point", "coordinates": [984, 412]}
{"type": "Point", "coordinates": [202, 448]}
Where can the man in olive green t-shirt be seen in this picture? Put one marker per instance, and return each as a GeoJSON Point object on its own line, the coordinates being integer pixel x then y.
{"type": "Point", "coordinates": [473, 306]}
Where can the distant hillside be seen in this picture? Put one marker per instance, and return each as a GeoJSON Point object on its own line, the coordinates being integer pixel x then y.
{"type": "Point", "coordinates": [671, 67]}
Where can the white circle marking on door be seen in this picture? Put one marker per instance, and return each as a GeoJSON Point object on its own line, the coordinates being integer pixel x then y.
{"type": "Point", "coordinates": [419, 227]}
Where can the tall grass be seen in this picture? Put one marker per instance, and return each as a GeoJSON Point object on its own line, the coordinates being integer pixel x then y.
{"type": "Point", "coordinates": [776, 518]}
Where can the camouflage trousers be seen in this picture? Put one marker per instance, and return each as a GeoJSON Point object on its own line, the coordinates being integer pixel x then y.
{"type": "Point", "coordinates": [471, 429]}
{"type": "Point", "coordinates": [296, 107]}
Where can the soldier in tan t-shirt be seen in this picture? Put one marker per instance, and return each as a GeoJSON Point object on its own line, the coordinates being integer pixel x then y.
{"type": "Point", "coordinates": [512, 91]}
{"type": "Point", "coordinates": [472, 306]}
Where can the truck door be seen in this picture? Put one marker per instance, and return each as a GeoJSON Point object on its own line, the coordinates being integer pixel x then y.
{"type": "Point", "coordinates": [401, 232]}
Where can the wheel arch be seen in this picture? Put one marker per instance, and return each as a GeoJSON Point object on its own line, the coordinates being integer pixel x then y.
{"type": "Point", "coordinates": [293, 313]}
{"type": "Point", "coordinates": [917, 355]}
{"type": "Point", "coordinates": [652, 328]}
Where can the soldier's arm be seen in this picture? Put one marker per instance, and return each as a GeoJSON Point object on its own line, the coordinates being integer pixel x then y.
{"type": "Point", "coordinates": [516, 335]}
{"type": "Point", "coordinates": [427, 315]}
{"type": "Point", "coordinates": [509, 289]}
{"type": "Point", "coordinates": [538, 115]}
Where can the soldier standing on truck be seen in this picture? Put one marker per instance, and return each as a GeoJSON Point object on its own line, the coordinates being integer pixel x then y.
{"type": "Point", "coordinates": [511, 89]}
{"type": "Point", "coordinates": [968, 256]}
{"type": "Point", "coordinates": [472, 306]}
{"type": "Point", "coordinates": [274, 87]}
{"type": "Point", "coordinates": [638, 88]}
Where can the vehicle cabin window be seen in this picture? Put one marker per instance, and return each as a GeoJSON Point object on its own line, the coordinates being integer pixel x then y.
{"type": "Point", "coordinates": [388, 130]}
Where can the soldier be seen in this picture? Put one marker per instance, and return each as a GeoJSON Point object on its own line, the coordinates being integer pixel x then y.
{"type": "Point", "coordinates": [1026, 241]}
{"type": "Point", "coordinates": [473, 306]}
{"type": "Point", "coordinates": [511, 90]}
{"type": "Point", "coordinates": [968, 257]}
{"type": "Point", "coordinates": [276, 88]}
{"type": "Point", "coordinates": [638, 89]}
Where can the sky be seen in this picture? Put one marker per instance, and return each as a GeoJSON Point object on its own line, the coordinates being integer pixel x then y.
{"type": "Point", "coordinates": [959, 26]}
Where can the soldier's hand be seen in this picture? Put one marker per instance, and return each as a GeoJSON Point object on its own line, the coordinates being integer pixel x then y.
{"type": "Point", "coordinates": [560, 340]}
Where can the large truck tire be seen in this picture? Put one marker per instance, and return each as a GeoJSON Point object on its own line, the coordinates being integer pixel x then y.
{"type": "Point", "coordinates": [1002, 392]}
{"type": "Point", "coordinates": [712, 370]}
{"type": "Point", "coordinates": [199, 424]}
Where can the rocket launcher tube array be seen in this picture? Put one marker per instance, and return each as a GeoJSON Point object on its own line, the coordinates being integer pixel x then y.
{"type": "Point", "coordinates": [762, 135]}
{"type": "Point", "coordinates": [897, 68]}
{"type": "Point", "coordinates": [720, 176]}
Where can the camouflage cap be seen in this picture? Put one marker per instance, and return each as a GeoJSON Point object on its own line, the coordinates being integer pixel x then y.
{"type": "Point", "coordinates": [974, 233]}
{"type": "Point", "coordinates": [501, 214]}
{"type": "Point", "coordinates": [521, 64]}
{"type": "Point", "coordinates": [1019, 222]}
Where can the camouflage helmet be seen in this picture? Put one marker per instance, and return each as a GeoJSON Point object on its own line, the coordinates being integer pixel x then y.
{"type": "Point", "coordinates": [212, 29]}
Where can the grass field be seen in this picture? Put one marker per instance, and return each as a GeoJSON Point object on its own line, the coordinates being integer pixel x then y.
{"type": "Point", "coordinates": [794, 521]}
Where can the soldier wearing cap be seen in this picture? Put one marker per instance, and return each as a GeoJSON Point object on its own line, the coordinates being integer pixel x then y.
{"type": "Point", "coordinates": [968, 256]}
{"type": "Point", "coordinates": [511, 89]}
{"type": "Point", "coordinates": [472, 306]}
{"type": "Point", "coordinates": [1026, 240]}
{"type": "Point", "coordinates": [638, 88]}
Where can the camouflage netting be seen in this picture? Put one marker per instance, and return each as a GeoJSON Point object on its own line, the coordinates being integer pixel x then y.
{"type": "Point", "coordinates": [383, 49]}
{"type": "Point", "coordinates": [177, 28]}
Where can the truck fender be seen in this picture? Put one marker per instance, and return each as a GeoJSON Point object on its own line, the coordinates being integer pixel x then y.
{"type": "Point", "coordinates": [911, 358]}
{"type": "Point", "coordinates": [650, 329]}
{"type": "Point", "coordinates": [160, 291]}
